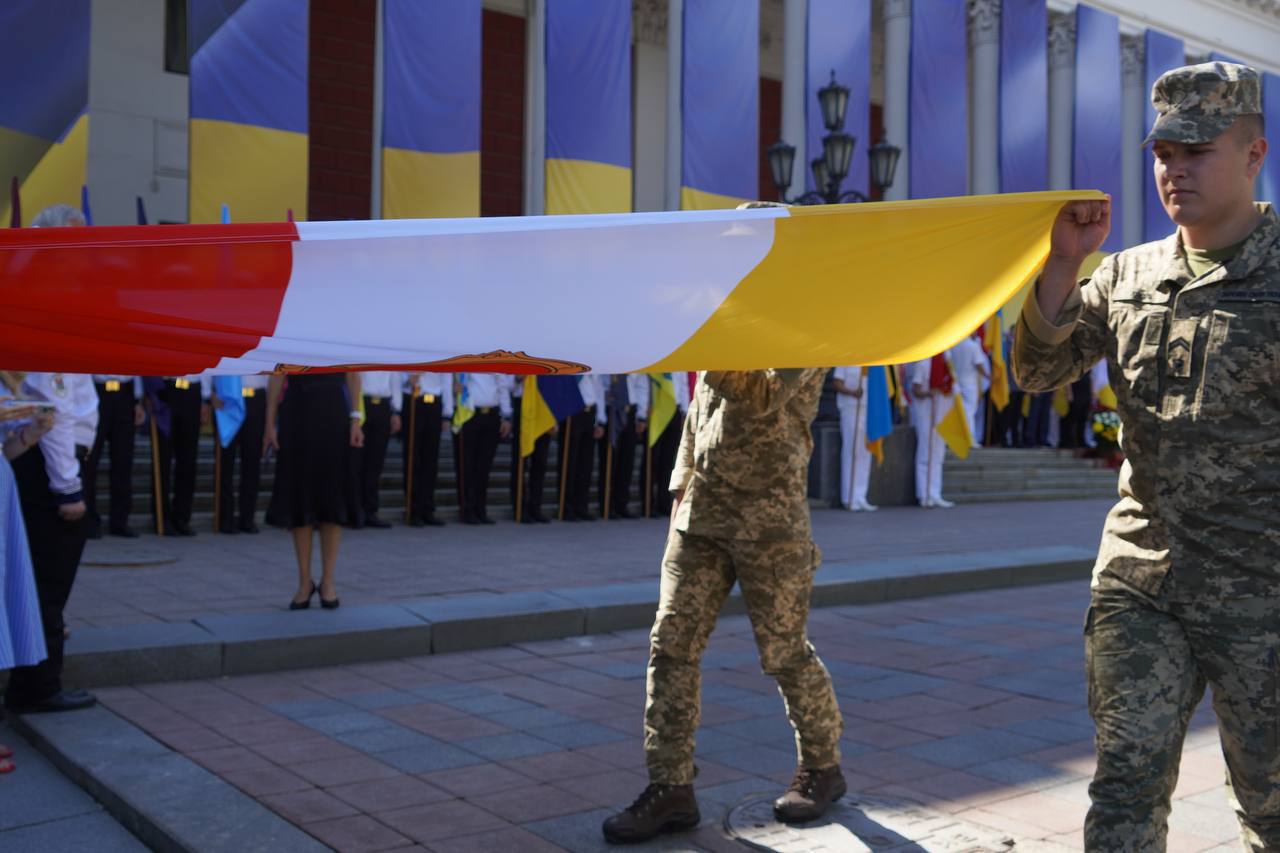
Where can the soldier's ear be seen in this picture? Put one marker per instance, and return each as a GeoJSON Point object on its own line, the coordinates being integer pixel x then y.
{"type": "Point", "coordinates": [1256, 156]}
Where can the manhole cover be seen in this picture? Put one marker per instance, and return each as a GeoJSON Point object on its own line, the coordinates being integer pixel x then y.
{"type": "Point", "coordinates": [861, 823]}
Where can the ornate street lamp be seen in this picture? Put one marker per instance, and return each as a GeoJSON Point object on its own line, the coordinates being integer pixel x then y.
{"type": "Point", "coordinates": [830, 170]}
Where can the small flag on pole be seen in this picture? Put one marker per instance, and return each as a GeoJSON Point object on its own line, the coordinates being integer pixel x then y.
{"type": "Point", "coordinates": [84, 204]}
{"type": "Point", "coordinates": [142, 210]}
{"type": "Point", "coordinates": [15, 204]}
{"type": "Point", "coordinates": [226, 214]}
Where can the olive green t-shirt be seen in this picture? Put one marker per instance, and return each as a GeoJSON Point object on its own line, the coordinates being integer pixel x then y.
{"type": "Point", "coordinates": [1202, 261]}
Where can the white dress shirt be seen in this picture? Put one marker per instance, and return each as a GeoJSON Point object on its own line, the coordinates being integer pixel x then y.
{"type": "Point", "coordinates": [638, 392]}
{"type": "Point", "coordinates": [852, 377]}
{"type": "Point", "coordinates": [591, 387]}
{"type": "Point", "coordinates": [384, 384]}
{"type": "Point", "coordinates": [75, 422]}
{"type": "Point", "coordinates": [487, 391]}
{"type": "Point", "coordinates": [438, 384]}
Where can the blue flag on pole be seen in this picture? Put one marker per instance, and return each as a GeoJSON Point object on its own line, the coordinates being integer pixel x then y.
{"type": "Point", "coordinates": [230, 416]}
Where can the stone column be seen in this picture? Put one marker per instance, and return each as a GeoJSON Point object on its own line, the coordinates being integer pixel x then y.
{"type": "Point", "coordinates": [379, 48]}
{"type": "Point", "coordinates": [535, 113]}
{"type": "Point", "coordinates": [1062, 98]}
{"type": "Point", "coordinates": [794, 94]}
{"type": "Point", "coordinates": [897, 90]}
{"type": "Point", "coordinates": [984, 123]}
{"type": "Point", "coordinates": [1133, 117]}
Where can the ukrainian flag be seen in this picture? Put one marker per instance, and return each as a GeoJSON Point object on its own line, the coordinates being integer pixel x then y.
{"type": "Point", "coordinates": [662, 409]}
{"type": "Point", "coordinates": [44, 119]}
{"type": "Point", "coordinates": [547, 400]}
{"type": "Point", "coordinates": [588, 106]}
{"type": "Point", "coordinates": [720, 94]}
{"type": "Point", "coordinates": [248, 108]}
{"type": "Point", "coordinates": [431, 109]}
{"type": "Point", "coordinates": [879, 410]}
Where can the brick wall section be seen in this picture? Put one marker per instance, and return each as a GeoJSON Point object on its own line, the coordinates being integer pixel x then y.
{"type": "Point", "coordinates": [770, 132]}
{"type": "Point", "coordinates": [502, 115]}
{"type": "Point", "coordinates": [340, 101]}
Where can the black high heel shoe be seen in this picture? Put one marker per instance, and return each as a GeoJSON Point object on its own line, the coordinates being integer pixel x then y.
{"type": "Point", "coordinates": [327, 603]}
{"type": "Point", "coordinates": [305, 603]}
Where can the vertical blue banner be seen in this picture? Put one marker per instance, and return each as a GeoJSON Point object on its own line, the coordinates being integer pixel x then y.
{"type": "Point", "coordinates": [248, 108]}
{"type": "Point", "coordinates": [1024, 96]}
{"type": "Point", "coordinates": [588, 106]}
{"type": "Point", "coordinates": [1219, 56]}
{"type": "Point", "coordinates": [939, 135]}
{"type": "Point", "coordinates": [430, 109]}
{"type": "Point", "coordinates": [1162, 53]}
{"type": "Point", "coordinates": [44, 114]}
{"type": "Point", "coordinates": [1269, 183]}
{"type": "Point", "coordinates": [720, 104]}
{"type": "Point", "coordinates": [1097, 134]}
{"type": "Point", "coordinates": [838, 39]}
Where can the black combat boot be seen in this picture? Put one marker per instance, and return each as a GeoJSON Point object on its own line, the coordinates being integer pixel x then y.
{"type": "Point", "coordinates": [660, 808]}
{"type": "Point", "coordinates": [810, 793]}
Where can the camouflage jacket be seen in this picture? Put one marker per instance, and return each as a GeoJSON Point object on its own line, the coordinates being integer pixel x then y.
{"type": "Point", "coordinates": [744, 455]}
{"type": "Point", "coordinates": [1195, 364]}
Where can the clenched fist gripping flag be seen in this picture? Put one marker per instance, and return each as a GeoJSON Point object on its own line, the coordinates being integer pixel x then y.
{"type": "Point", "coordinates": [717, 289]}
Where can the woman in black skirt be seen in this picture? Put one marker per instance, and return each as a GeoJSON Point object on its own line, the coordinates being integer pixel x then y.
{"type": "Point", "coordinates": [317, 422]}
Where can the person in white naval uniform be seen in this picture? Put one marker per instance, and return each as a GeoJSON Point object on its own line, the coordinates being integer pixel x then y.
{"type": "Point", "coordinates": [932, 396]}
{"type": "Point", "coordinates": [855, 458]}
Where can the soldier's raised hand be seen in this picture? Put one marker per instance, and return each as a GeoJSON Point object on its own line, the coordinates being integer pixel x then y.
{"type": "Point", "coordinates": [1079, 230]}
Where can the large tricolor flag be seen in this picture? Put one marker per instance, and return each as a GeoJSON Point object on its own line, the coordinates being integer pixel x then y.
{"type": "Point", "coordinates": [726, 289]}
{"type": "Point", "coordinates": [248, 108]}
{"type": "Point", "coordinates": [44, 119]}
{"type": "Point", "coordinates": [430, 108]}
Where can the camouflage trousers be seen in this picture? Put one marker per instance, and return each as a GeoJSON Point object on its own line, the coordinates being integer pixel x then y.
{"type": "Point", "coordinates": [1148, 659]}
{"type": "Point", "coordinates": [776, 578]}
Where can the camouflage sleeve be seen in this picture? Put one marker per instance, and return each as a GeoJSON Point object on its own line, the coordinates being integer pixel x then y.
{"type": "Point", "coordinates": [764, 390]}
{"type": "Point", "coordinates": [682, 473]}
{"type": "Point", "coordinates": [1048, 355]}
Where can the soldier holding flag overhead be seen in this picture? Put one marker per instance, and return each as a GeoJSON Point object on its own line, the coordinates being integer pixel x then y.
{"type": "Point", "coordinates": [1186, 588]}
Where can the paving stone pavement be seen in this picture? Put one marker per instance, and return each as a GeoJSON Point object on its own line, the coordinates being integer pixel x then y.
{"type": "Point", "coordinates": [970, 704]}
{"type": "Point", "coordinates": [42, 811]}
{"type": "Point", "coordinates": [152, 579]}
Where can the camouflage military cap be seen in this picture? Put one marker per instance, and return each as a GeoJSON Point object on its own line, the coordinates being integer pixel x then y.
{"type": "Point", "coordinates": [1196, 103]}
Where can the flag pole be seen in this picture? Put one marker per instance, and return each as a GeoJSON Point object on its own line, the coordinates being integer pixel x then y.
{"type": "Point", "coordinates": [648, 475]}
{"type": "Point", "coordinates": [408, 461]}
{"type": "Point", "coordinates": [155, 471]}
{"type": "Point", "coordinates": [217, 476]}
{"type": "Point", "coordinates": [928, 472]}
{"type": "Point", "coordinates": [608, 477]}
{"type": "Point", "coordinates": [519, 461]}
{"type": "Point", "coordinates": [853, 449]}
{"type": "Point", "coordinates": [564, 461]}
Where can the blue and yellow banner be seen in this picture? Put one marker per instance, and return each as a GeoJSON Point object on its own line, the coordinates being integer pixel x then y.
{"type": "Point", "coordinates": [1098, 126]}
{"type": "Point", "coordinates": [44, 120]}
{"type": "Point", "coordinates": [1269, 184]}
{"type": "Point", "coordinates": [879, 410]}
{"type": "Point", "coordinates": [588, 106]}
{"type": "Point", "coordinates": [838, 42]}
{"type": "Point", "coordinates": [1162, 52]}
{"type": "Point", "coordinates": [720, 104]}
{"type": "Point", "coordinates": [1024, 96]}
{"type": "Point", "coordinates": [248, 108]}
{"type": "Point", "coordinates": [939, 148]}
{"type": "Point", "coordinates": [431, 109]}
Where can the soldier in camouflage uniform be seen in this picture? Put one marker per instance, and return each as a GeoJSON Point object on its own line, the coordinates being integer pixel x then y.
{"type": "Point", "coordinates": [1186, 589]}
{"type": "Point", "coordinates": [740, 514]}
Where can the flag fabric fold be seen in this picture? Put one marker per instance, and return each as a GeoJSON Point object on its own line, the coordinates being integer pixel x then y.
{"type": "Point", "coordinates": [230, 413]}
{"type": "Point", "coordinates": [993, 343]}
{"type": "Point", "coordinates": [700, 290]}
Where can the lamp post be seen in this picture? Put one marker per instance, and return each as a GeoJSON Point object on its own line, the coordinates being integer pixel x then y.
{"type": "Point", "coordinates": [830, 170]}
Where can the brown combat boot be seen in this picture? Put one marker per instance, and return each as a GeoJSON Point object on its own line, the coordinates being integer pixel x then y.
{"type": "Point", "coordinates": [659, 808]}
{"type": "Point", "coordinates": [810, 793]}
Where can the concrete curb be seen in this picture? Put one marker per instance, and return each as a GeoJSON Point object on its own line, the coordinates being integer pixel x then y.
{"type": "Point", "coordinates": [213, 646]}
{"type": "Point", "coordinates": [170, 803]}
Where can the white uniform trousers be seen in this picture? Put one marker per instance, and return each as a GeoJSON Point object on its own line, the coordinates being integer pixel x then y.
{"type": "Point", "coordinates": [930, 448]}
{"type": "Point", "coordinates": [855, 459]}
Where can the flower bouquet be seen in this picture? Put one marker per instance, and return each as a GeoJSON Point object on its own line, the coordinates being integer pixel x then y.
{"type": "Point", "coordinates": [1106, 433]}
